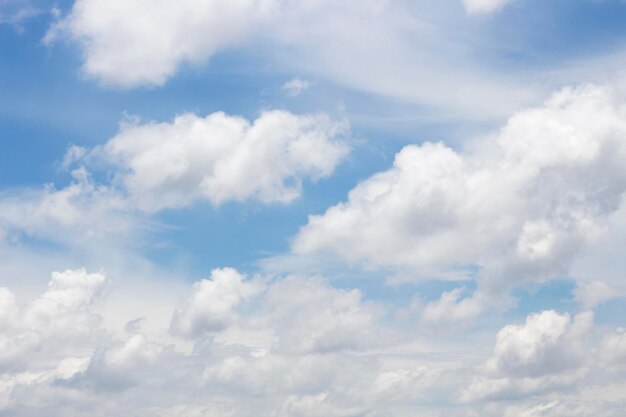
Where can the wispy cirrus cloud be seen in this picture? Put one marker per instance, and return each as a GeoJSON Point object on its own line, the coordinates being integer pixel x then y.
{"type": "Point", "coordinates": [138, 43]}
{"type": "Point", "coordinates": [484, 6]}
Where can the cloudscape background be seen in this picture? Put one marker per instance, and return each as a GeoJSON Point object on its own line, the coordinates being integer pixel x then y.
{"type": "Point", "coordinates": [313, 208]}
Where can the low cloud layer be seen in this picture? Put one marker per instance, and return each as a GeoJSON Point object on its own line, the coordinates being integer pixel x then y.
{"type": "Point", "coordinates": [288, 346]}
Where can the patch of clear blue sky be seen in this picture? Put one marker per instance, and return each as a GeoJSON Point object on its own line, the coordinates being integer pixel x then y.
{"type": "Point", "coordinates": [538, 33]}
{"type": "Point", "coordinates": [45, 105]}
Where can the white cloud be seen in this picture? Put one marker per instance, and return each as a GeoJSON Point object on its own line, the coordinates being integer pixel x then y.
{"type": "Point", "coordinates": [614, 349]}
{"type": "Point", "coordinates": [144, 43]}
{"type": "Point", "coordinates": [69, 293]}
{"type": "Point", "coordinates": [312, 316]}
{"type": "Point", "coordinates": [451, 307]}
{"type": "Point", "coordinates": [82, 211]}
{"type": "Point", "coordinates": [213, 304]}
{"type": "Point", "coordinates": [327, 351]}
{"type": "Point", "coordinates": [154, 166]}
{"type": "Point", "coordinates": [295, 87]}
{"type": "Point", "coordinates": [547, 343]}
{"type": "Point", "coordinates": [520, 205]}
{"type": "Point", "coordinates": [549, 350]}
{"type": "Point", "coordinates": [63, 315]}
{"type": "Point", "coordinates": [292, 315]}
{"type": "Point", "coordinates": [223, 158]}
{"type": "Point", "coordinates": [484, 6]}
{"type": "Point", "coordinates": [591, 294]}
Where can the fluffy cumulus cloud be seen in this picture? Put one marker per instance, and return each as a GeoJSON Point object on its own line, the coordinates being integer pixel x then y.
{"type": "Point", "coordinates": [131, 43]}
{"type": "Point", "coordinates": [542, 198]}
{"type": "Point", "coordinates": [223, 158]}
{"type": "Point", "coordinates": [520, 205]}
{"type": "Point", "coordinates": [153, 166]}
{"type": "Point", "coordinates": [285, 346]}
{"type": "Point", "coordinates": [213, 303]}
{"type": "Point", "coordinates": [61, 321]}
{"type": "Point", "coordinates": [286, 338]}
{"type": "Point", "coordinates": [548, 351]}
{"type": "Point", "coordinates": [294, 314]}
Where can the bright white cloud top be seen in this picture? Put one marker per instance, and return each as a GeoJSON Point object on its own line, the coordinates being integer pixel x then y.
{"type": "Point", "coordinates": [143, 42]}
{"type": "Point", "coordinates": [223, 158]}
{"type": "Point", "coordinates": [381, 208]}
{"type": "Point", "coordinates": [520, 205]}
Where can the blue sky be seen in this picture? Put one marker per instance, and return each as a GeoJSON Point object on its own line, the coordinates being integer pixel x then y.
{"type": "Point", "coordinates": [438, 211]}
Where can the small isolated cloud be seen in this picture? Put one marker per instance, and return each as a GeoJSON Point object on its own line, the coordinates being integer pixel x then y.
{"type": "Point", "coordinates": [591, 294]}
{"type": "Point", "coordinates": [15, 12]}
{"type": "Point", "coordinates": [295, 87]}
{"type": "Point", "coordinates": [484, 6]}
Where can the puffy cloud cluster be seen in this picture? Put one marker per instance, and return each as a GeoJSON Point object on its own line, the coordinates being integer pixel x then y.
{"type": "Point", "coordinates": [520, 205]}
{"type": "Point", "coordinates": [549, 351]}
{"type": "Point", "coordinates": [223, 158]}
{"type": "Point", "coordinates": [219, 158]}
{"type": "Point", "coordinates": [213, 303]}
{"type": "Point", "coordinates": [53, 333]}
{"type": "Point", "coordinates": [294, 314]}
{"type": "Point", "coordinates": [287, 346]}
{"type": "Point", "coordinates": [68, 359]}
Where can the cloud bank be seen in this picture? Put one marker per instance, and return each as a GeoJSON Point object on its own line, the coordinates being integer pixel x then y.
{"type": "Point", "coordinates": [298, 344]}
